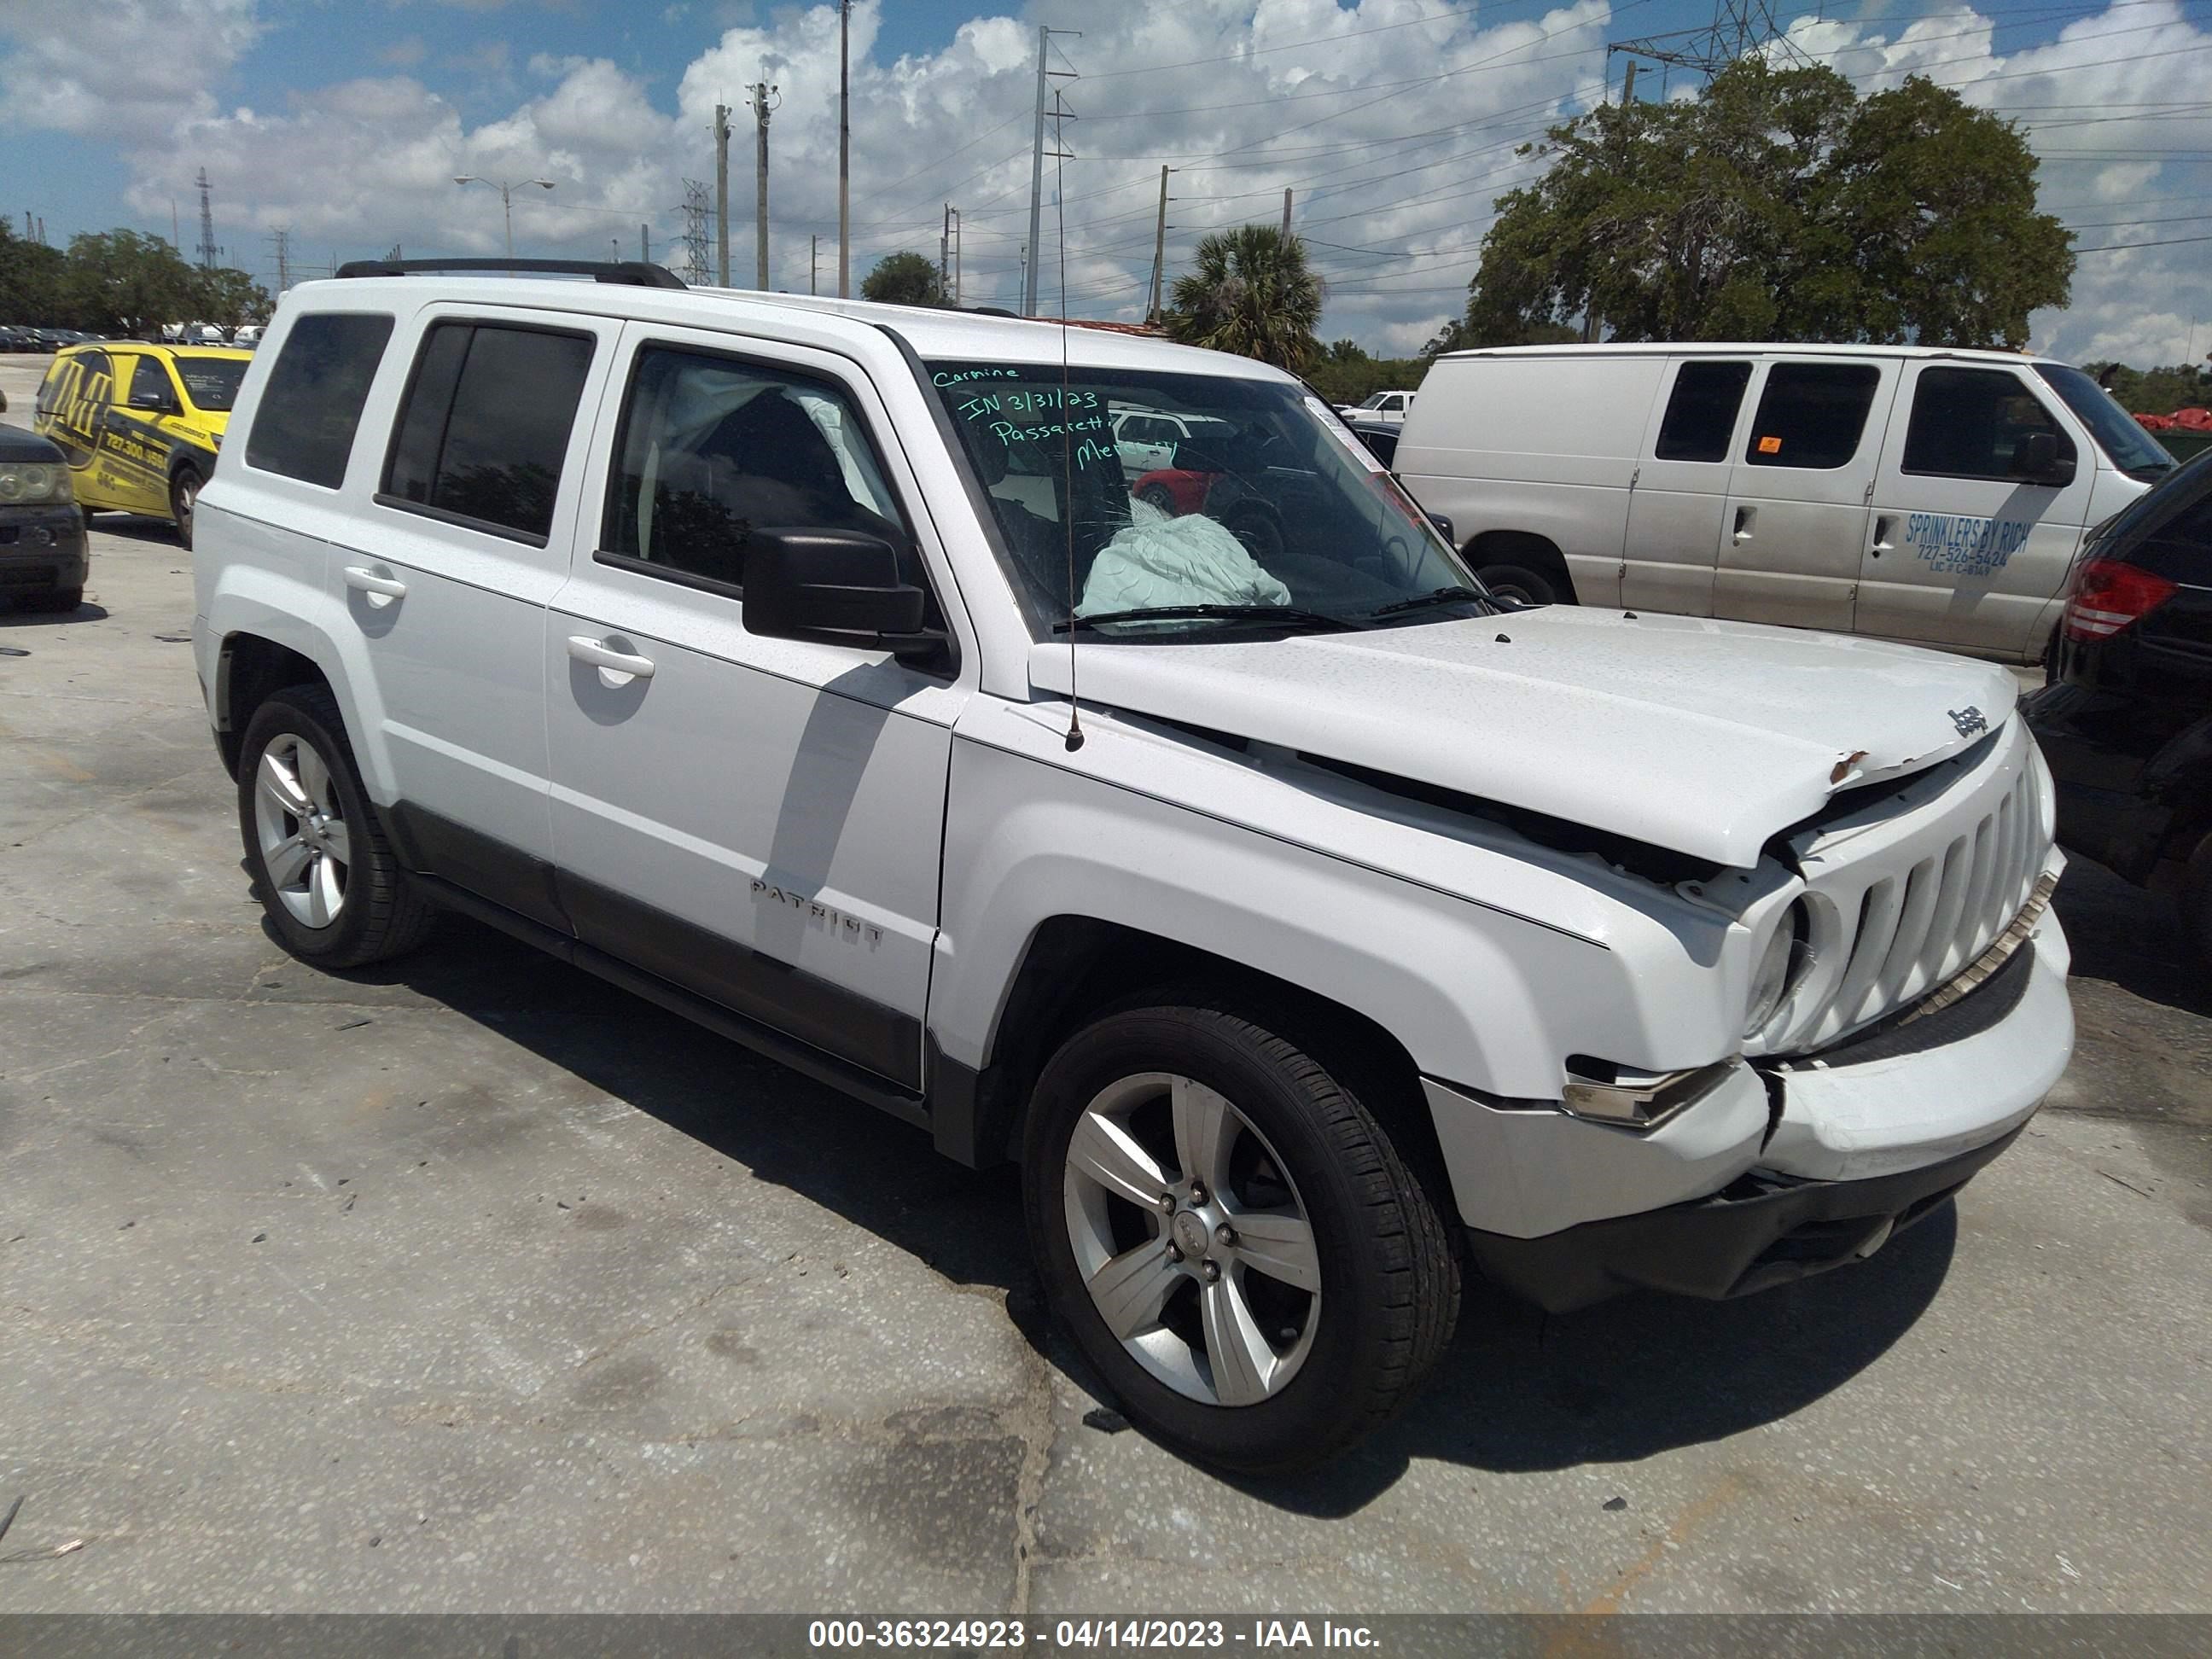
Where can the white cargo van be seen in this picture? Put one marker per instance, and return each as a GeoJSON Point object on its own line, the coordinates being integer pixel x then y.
{"type": "Point", "coordinates": [1907, 492]}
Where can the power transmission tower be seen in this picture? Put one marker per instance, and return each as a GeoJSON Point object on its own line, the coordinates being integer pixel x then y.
{"type": "Point", "coordinates": [1739, 28]}
{"type": "Point", "coordinates": [761, 109]}
{"type": "Point", "coordinates": [1046, 75]}
{"type": "Point", "coordinates": [280, 239]}
{"type": "Point", "coordinates": [695, 209]}
{"type": "Point", "coordinates": [722, 196]}
{"type": "Point", "coordinates": [209, 251]}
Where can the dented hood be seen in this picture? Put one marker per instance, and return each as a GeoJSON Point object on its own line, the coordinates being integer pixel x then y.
{"type": "Point", "coordinates": [1703, 737]}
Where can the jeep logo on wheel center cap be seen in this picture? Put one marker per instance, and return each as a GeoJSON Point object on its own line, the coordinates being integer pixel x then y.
{"type": "Point", "coordinates": [1191, 1233]}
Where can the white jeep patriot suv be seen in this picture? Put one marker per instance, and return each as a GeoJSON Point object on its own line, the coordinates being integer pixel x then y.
{"type": "Point", "coordinates": [1308, 924]}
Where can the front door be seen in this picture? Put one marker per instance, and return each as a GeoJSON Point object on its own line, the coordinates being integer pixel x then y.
{"type": "Point", "coordinates": [1797, 515]}
{"type": "Point", "coordinates": [758, 821]}
{"type": "Point", "coordinates": [1966, 548]}
{"type": "Point", "coordinates": [135, 449]}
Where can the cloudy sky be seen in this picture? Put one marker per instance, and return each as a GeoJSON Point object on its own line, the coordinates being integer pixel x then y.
{"type": "Point", "coordinates": [1395, 123]}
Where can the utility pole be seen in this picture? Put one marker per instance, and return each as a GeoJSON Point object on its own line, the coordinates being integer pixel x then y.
{"type": "Point", "coordinates": [1286, 214]}
{"type": "Point", "coordinates": [176, 236]}
{"type": "Point", "coordinates": [1037, 168]}
{"type": "Point", "coordinates": [945, 256]}
{"type": "Point", "coordinates": [761, 109]}
{"type": "Point", "coordinates": [956, 257]}
{"type": "Point", "coordinates": [844, 149]}
{"type": "Point", "coordinates": [645, 244]}
{"type": "Point", "coordinates": [813, 263]}
{"type": "Point", "coordinates": [1159, 247]}
{"type": "Point", "coordinates": [721, 195]}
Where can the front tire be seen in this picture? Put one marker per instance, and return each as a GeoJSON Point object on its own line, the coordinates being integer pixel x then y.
{"type": "Point", "coordinates": [321, 867]}
{"type": "Point", "coordinates": [1232, 1238]}
{"type": "Point", "coordinates": [63, 599]}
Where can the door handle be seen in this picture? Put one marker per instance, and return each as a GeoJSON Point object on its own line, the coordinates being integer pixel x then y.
{"type": "Point", "coordinates": [1882, 543]}
{"type": "Point", "coordinates": [1745, 517]}
{"type": "Point", "coordinates": [615, 667]}
{"type": "Point", "coordinates": [382, 590]}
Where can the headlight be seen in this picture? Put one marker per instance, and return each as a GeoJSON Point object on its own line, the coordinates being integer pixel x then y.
{"type": "Point", "coordinates": [24, 484]}
{"type": "Point", "coordinates": [1778, 966]}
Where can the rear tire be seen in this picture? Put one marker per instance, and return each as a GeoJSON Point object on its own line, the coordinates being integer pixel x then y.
{"type": "Point", "coordinates": [321, 867]}
{"type": "Point", "coordinates": [2196, 902]}
{"type": "Point", "coordinates": [1223, 1351]}
{"type": "Point", "coordinates": [184, 501]}
{"type": "Point", "coordinates": [1518, 583]}
{"type": "Point", "coordinates": [54, 599]}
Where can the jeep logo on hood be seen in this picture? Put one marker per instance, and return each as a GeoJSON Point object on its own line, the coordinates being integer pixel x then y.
{"type": "Point", "coordinates": [1968, 719]}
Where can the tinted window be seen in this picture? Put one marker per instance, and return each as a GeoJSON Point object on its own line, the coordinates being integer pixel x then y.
{"type": "Point", "coordinates": [1811, 414]}
{"type": "Point", "coordinates": [1971, 422]}
{"type": "Point", "coordinates": [309, 411]}
{"type": "Point", "coordinates": [150, 382]}
{"type": "Point", "coordinates": [712, 446]}
{"type": "Point", "coordinates": [486, 424]}
{"type": "Point", "coordinates": [211, 383]}
{"type": "Point", "coordinates": [1701, 412]}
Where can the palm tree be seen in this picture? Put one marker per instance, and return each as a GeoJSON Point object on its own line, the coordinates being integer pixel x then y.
{"type": "Point", "coordinates": [1251, 293]}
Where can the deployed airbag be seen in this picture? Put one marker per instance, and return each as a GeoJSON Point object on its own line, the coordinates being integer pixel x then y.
{"type": "Point", "coordinates": [1156, 560]}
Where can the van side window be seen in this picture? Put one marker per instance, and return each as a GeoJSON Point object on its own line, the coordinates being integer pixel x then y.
{"type": "Point", "coordinates": [1701, 411]}
{"type": "Point", "coordinates": [1812, 415]}
{"type": "Point", "coordinates": [711, 446]}
{"type": "Point", "coordinates": [1971, 422]}
{"type": "Point", "coordinates": [305, 424]}
{"type": "Point", "coordinates": [486, 424]}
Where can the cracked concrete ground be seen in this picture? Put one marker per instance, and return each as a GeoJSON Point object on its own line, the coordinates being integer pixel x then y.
{"type": "Point", "coordinates": [473, 1283]}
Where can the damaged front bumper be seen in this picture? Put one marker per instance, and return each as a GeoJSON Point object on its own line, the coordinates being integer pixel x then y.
{"type": "Point", "coordinates": [1805, 1165]}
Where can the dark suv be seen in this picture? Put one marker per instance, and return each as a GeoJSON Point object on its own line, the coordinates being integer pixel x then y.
{"type": "Point", "coordinates": [2126, 722]}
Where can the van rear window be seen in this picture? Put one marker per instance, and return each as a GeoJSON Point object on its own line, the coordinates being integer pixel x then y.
{"type": "Point", "coordinates": [1812, 415]}
{"type": "Point", "coordinates": [304, 425]}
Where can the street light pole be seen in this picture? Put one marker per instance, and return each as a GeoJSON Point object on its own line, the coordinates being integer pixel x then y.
{"type": "Point", "coordinates": [506, 198]}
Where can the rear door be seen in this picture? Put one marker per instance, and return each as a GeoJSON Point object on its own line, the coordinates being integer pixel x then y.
{"type": "Point", "coordinates": [1963, 549]}
{"type": "Point", "coordinates": [1797, 507]}
{"type": "Point", "coordinates": [466, 539]}
{"type": "Point", "coordinates": [1680, 493]}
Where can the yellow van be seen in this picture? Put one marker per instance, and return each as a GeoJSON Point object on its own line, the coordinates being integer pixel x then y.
{"type": "Point", "coordinates": [140, 424]}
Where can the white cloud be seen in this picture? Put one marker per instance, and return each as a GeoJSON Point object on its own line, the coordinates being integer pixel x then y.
{"type": "Point", "coordinates": [1394, 122]}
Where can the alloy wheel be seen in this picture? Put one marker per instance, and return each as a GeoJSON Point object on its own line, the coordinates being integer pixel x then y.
{"type": "Point", "coordinates": [306, 847]}
{"type": "Point", "coordinates": [1192, 1239]}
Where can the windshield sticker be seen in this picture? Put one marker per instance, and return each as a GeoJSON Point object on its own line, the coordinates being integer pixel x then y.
{"type": "Point", "coordinates": [1344, 435]}
{"type": "Point", "coordinates": [1959, 546]}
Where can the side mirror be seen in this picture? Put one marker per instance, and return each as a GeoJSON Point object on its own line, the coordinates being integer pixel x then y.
{"type": "Point", "coordinates": [2036, 460]}
{"type": "Point", "coordinates": [806, 584]}
{"type": "Point", "coordinates": [160, 402]}
{"type": "Point", "coordinates": [1444, 528]}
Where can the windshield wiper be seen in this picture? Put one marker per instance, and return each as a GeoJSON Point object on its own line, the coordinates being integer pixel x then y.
{"type": "Point", "coordinates": [1453, 595]}
{"type": "Point", "coordinates": [1267, 613]}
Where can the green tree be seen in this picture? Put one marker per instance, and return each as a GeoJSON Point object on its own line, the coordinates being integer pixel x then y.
{"type": "Point", "coordinates": [903, 279]}
{"type": "Point", "coordinates": [119, 282]}
{"type": "Point", "coordinates": [30, 281]}
{"type": "Point", "coordinates": [1778, 205]}
{"type": "Point", "coordinates": [1250, 292]}
{"type": "Point", "coordinates": [221, 295]}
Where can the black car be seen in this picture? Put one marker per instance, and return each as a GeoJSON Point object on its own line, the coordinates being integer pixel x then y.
{"type": "Point", "coordinates": [2126, 722]}
{"type": "Point", "coordinates": [42, 561]}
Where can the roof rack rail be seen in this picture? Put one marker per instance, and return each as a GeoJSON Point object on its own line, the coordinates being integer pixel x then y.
{"type": "Point", "coordinates": [634, 273]}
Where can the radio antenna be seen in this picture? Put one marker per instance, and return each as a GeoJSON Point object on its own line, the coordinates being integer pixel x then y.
{"type": "Point", "coordinates": [1067, 441]}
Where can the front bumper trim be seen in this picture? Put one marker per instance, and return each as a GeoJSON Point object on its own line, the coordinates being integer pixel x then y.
{"type": "Point", "coordinates": [1757, 1233]}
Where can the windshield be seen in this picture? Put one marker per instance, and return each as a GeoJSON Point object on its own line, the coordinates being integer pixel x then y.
{"type": "Point", "coordinates": [211, 382]}
{"type": "Point", "coordinates": [1219, 493]}
{"type": "Point", "coordinates": [2132, 450]}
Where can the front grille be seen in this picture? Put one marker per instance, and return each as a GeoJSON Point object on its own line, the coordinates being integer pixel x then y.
{"type": "Point", "coordinates": [1901, 908]}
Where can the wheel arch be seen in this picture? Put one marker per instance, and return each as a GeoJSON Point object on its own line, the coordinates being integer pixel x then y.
{"type": "Point", "coordinates": [1522, 547]}
{"type": "Point", "coordinates": [1073, 967]}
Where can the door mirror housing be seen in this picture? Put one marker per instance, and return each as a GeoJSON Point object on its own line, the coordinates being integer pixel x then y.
{"type": "Point", "coordinates": [1444, 528]}
{"type": "Point", "coordinates": [840, 586]}
{"type": "Point", "coordinates": [2036, 460]}
{"type": "Point", "coordinates": [156, 400]}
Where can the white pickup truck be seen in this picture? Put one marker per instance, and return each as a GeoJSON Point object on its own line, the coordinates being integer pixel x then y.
{"type": "Point", "coordinates": [1310, 926]}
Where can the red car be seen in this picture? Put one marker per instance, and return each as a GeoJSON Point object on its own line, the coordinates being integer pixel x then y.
{"type": "Point", "coordinates": [1173, 490]}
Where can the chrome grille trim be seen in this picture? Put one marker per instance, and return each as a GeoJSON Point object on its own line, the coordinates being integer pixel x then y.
{"type": "Point", "coordinates": [1907, 904]}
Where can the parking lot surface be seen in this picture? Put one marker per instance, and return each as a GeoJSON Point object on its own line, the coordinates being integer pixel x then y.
{"type": "Point", "coordinates": [474, 1284]}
